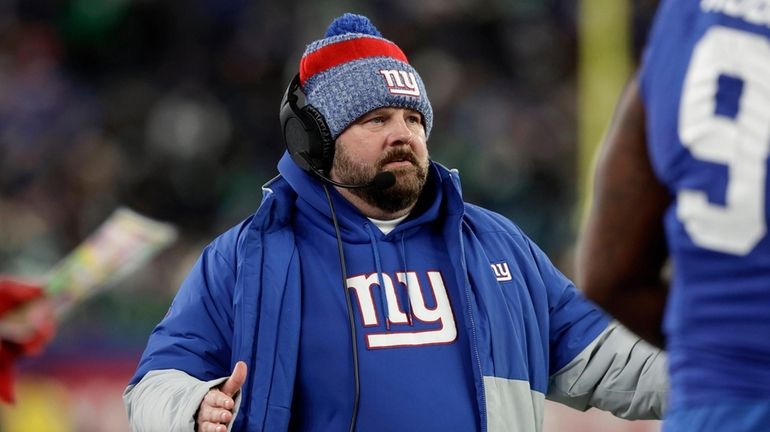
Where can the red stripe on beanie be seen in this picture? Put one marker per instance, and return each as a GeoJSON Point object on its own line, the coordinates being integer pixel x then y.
{"type": "Point", "coordinates": [345, 51]}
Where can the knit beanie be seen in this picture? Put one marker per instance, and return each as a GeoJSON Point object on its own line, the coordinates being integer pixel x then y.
{"type": "Point", "coordinates": [354, 70]}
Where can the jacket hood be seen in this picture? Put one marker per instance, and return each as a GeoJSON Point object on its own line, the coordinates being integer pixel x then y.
{"type": "Point", "coordinates": [441, 189]}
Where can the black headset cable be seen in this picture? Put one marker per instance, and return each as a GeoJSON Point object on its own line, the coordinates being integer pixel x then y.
{"type": "Point", "coordinates": [351, 317]}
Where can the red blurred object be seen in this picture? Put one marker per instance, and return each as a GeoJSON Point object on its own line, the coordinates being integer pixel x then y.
{"type": "Point", "coordinates": [24, 303]}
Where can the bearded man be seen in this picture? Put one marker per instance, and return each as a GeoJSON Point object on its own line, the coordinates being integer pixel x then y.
{"type": "Point", "coordinates": [365, 294]}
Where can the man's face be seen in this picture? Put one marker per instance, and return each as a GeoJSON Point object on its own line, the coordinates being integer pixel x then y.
{"type": "Point", "coordinates": [386, 139]}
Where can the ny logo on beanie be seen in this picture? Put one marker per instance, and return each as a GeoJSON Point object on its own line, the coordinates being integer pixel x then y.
{"type": "Point", "coordinates": [401, 82]}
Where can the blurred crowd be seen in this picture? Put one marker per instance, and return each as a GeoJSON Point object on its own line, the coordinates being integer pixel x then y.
{"type": "Point", "coordinates": [171, 108]}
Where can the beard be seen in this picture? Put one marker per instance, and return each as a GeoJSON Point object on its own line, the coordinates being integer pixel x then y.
{"type": "Point", "coordinates": [403, 194]}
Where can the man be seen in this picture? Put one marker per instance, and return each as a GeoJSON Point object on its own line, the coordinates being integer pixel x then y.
{"type": "Point", "coordinates": [386, 302]}
{"type": "Point", "coordinates": [685, 162]}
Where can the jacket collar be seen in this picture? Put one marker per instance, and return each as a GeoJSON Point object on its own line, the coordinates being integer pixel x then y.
{"type": "Point", "coordinates": [441, 194]}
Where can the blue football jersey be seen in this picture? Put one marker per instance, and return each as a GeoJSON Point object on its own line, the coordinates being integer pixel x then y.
{"type": "Point", "coordinates": [705, 82]}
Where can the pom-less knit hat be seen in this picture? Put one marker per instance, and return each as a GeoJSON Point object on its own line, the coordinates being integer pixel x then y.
{"type": "Point", "coordinates": [354, 70]}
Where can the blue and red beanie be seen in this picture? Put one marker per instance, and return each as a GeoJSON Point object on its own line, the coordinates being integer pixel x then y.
{"type": "Point", "coordinates": [354, 70]}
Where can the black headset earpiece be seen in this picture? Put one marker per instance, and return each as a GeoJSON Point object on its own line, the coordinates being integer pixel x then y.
{"type": "Point", "coordinates": [305, 132]}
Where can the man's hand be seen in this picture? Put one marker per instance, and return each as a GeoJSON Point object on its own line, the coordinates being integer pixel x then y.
{"type": "Point", "coordinates": [216, 410]}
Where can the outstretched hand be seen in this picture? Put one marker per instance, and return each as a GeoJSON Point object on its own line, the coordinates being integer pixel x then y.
{"type": "Point", "coordinates": [216, 409]}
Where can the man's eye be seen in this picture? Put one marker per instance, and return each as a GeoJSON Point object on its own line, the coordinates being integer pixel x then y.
{"type": "Point", "coordinates": [413, 119]}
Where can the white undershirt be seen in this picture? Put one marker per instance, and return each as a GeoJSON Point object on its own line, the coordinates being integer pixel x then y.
{"type": "Point", "coordinates": [386, 226]}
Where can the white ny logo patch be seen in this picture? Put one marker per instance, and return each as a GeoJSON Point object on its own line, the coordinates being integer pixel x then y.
{"type": "Point", "coordinates": [502, 272]}
{"type": "Point", "coordinates": [401, 82]}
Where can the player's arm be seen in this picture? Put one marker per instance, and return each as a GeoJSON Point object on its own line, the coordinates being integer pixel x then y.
{"type": "Point", "coordinates": [622, 249]}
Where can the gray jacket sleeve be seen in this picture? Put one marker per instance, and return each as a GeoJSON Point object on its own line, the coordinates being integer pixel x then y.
{"type": "Point", "coordinates": [168, 400]}
{"type": "Point", "coordinates": [617, 372]}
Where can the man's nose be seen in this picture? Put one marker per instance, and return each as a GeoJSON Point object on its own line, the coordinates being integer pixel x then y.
{"type": "Point", "coordinates": [400, 133]}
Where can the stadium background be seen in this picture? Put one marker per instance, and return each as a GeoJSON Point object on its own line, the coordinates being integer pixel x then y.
{"type": "Point", "coordinates": [170, 107]}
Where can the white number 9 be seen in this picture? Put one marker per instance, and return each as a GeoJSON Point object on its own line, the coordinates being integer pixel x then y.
{"type": "Point", "coordinates": [742, 143]}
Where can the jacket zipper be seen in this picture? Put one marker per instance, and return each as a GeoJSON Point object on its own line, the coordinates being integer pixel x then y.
{"type": "Point", "coordinates": [473, 339]}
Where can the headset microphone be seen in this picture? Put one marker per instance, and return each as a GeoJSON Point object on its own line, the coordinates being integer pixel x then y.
{"type": "Point", "coordinates": [382, 180]}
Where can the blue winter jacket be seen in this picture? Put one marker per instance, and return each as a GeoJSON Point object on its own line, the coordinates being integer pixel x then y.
{"type": "Point", "coordinates": [528, 334]}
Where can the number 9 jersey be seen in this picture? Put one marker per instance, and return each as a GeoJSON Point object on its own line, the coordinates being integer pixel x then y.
{"type": "Point", "coordinates": [705, 81]}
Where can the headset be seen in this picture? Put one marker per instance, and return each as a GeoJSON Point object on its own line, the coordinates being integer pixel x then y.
{"type": "Point", "coordinates": [305, 132]}
{"type": "Point", "coordinates": [310, 144]}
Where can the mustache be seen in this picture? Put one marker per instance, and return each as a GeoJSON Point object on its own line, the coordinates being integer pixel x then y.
{"type": "Point", "coordinates": [398, 155]}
